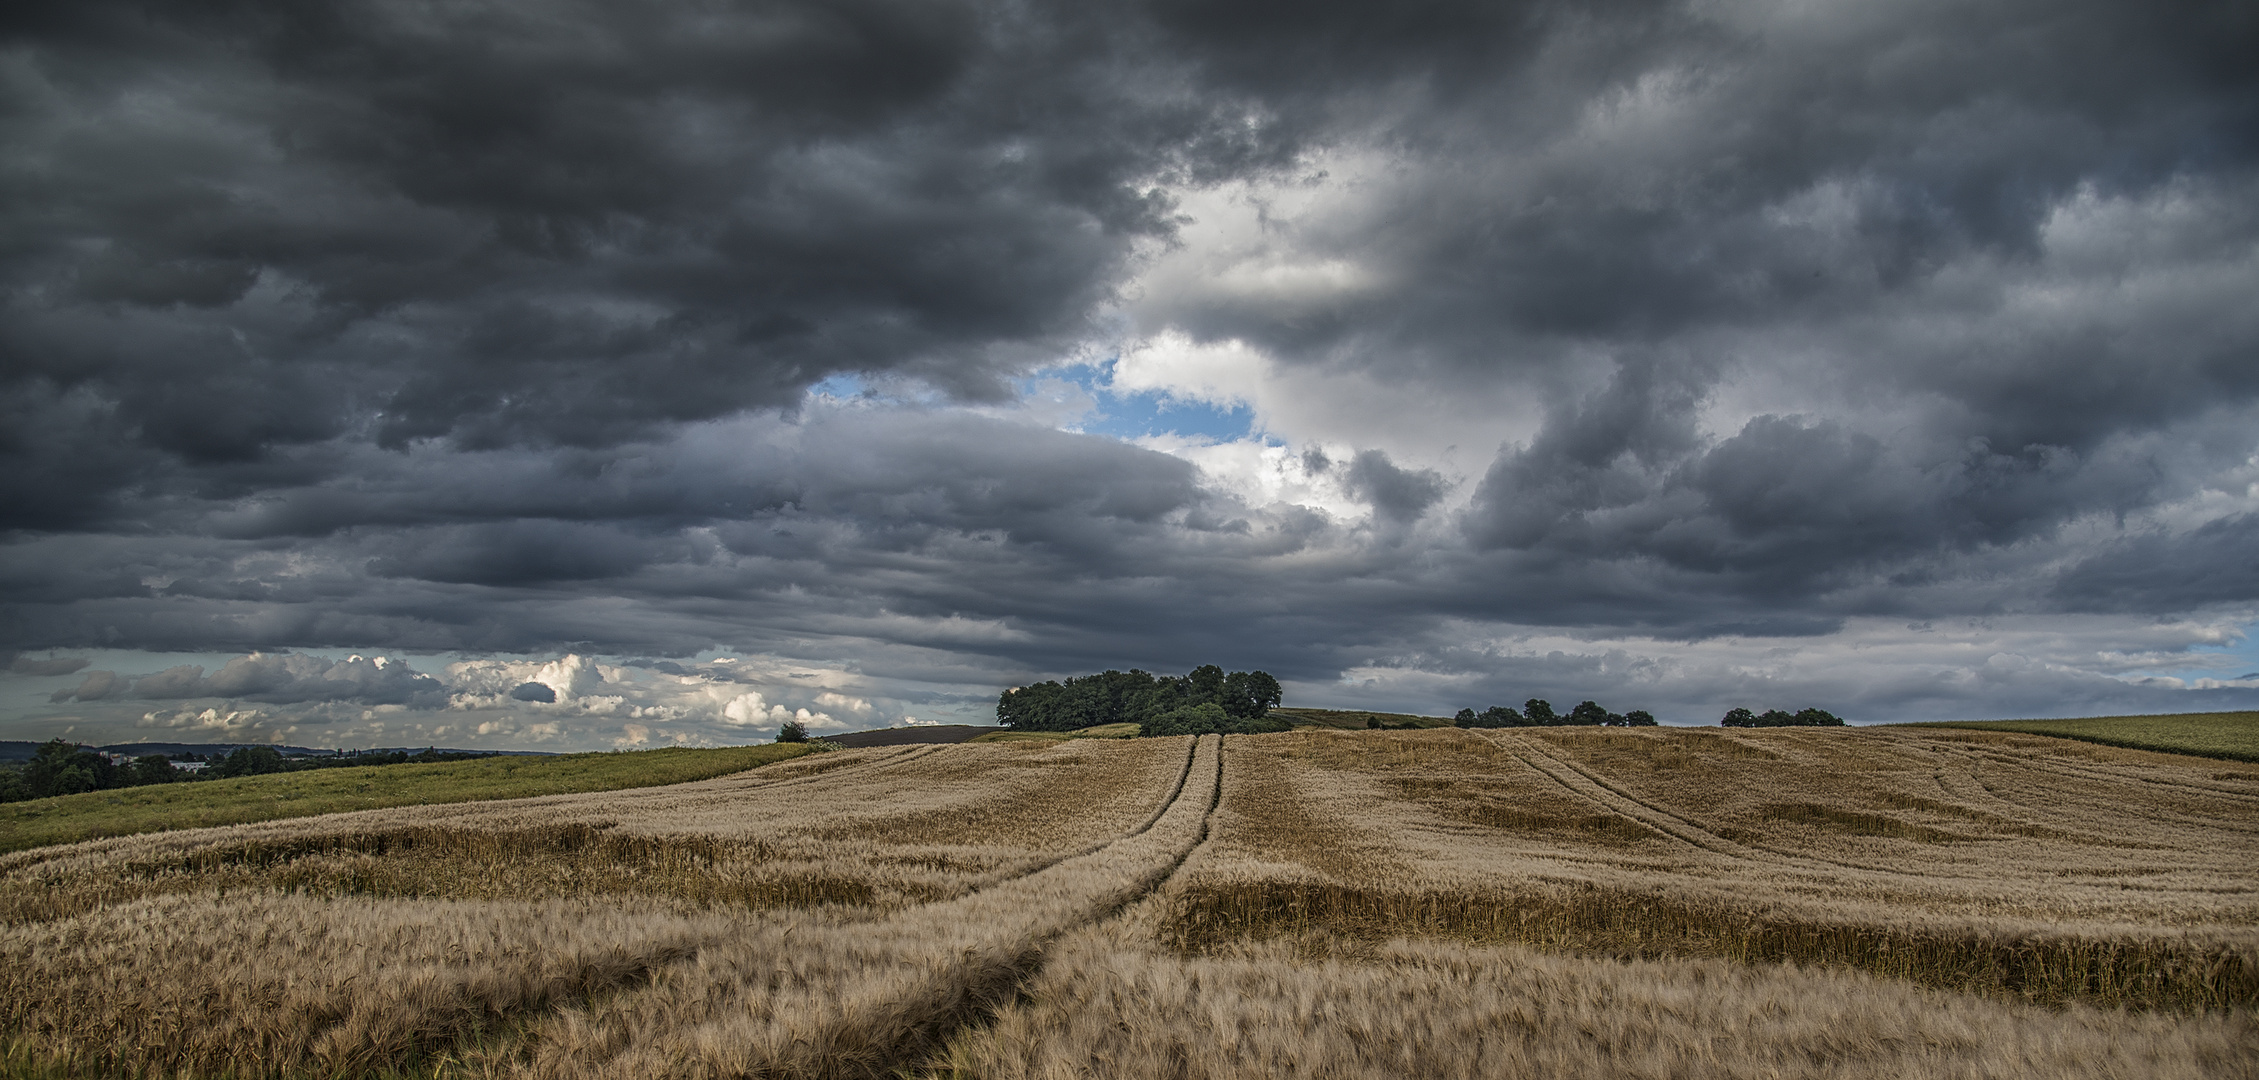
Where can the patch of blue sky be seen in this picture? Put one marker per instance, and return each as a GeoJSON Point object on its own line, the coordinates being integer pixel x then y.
{"type": "Point", "coordinates": [845, 386]}
{"type": "Point", "coordinates": [1139, 414]}
{"type": "Point", "coordinates": [1117, 414]}
{"type": "Point", "coordinates": [2237, 660]}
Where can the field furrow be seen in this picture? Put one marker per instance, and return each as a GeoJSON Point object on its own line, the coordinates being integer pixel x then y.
{"type": "Point", "coordinates": [1842, 903]}
{"type": "Point", "coordinates": [868, 999]}
{"type": "Point", "coordinates": [1586, 786]}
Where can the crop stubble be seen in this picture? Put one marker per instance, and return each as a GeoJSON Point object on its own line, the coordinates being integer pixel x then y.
{"type": "Point", "coordinates": [1858, 903]}
{"type": "Point", "coordinates": [1970, 867]}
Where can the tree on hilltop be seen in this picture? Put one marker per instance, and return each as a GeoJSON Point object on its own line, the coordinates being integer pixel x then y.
{"type": "Point", "coordinates": [1540, 713]}
{"type": "Point", "coordinates": [1134, 697]}
{"type": "Point", "coordinates": [1780, 718]}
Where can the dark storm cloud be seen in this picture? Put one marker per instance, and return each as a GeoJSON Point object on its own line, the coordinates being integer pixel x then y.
{"type": "Point", "coordinates": [561, 223]}
{"type": "Point", "coordinates": [34, 665]}
{"type": "Point", "coordinates": [1396, 494]}
{"type": "Point", "coordinates": [533, 691]}
{"type": "Point", "coordinates": [96, 686]}
{"type": "Point", "coordinates": [848, 513]}
{"type": "Point", "coordinates": [2215, 563]}
{"type": "Point", "coordinates": [273, 679]}
{"type": "Point", "coordinates": [492, 327]}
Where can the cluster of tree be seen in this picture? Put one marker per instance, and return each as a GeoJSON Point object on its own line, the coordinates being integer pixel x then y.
{"type": "Point", "coordinates": [61, 767]}
{"type": "Point", "coordinates": [425, 756]}
{"type": "Point", "coordinates": [1538, 712]}
{"type": "Point", "coordinates": [1781, 718]}
{"type": "Point", "coordinates": [1158, 704]}
{"type": "Point", "coordinates": [1208, 718]}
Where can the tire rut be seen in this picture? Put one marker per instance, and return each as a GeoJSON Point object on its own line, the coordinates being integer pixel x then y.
{"type": "Point", "coordinates": [1592, 790]}
{"type": "Point", "coordinates": [887, 993]}
{"type": "Point", "coordinates": [1970, 757]}
{"type": "Point", "coordinates": [1609, 797]}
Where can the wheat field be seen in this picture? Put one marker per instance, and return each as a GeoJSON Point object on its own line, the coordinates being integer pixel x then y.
{"type": "Point", "coordinates": [1666, 903]}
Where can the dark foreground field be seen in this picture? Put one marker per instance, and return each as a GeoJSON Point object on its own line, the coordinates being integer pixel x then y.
{"type": "Point", "coordinates": [1552, 902]}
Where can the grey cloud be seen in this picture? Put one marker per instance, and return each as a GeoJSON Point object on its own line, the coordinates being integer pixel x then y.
{"type": "Point", "coordinates": [182, 681]}
{"type": "Point", "coordinates": [284, 678]}
{"type": "Point", "coordinates": [1606, 453]}
{"type": "Point", "coordinates": [1396, 494]}
{"type": "Point", "coordinates": [959, 513]}
{"type": "Point", "coordinates": [2215, 563]}
{"type": "Point", "coordinates": [533, 691]}
{"type": "Point", "coordinates": [363, 326]}
{"type": "Point", "coordinates": [33, 665]}
{"type": "Point", "coordinates": [96, 686]}
{"type": "Point", "coordinates": [736, 203]}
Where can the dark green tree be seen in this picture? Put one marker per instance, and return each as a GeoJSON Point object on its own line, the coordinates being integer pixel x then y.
{"type": "Point", "coordinates": [1115, 697]}
{"type": "Point", "coordinates": [1588, 713]}
{"type": "Point", "coordinates": [1465, 719]}
{"type": "Point", "coordinates": [1639, 718]}
{"type": "Point", "coordinates": [1250, 694]}
{"type": "Point", "coordinates": [153, 769]}
{"type": "Point", "coordinates": [793, 731]}
{"type": "Point", "coordinates": [1205, 685]}
{"type": "Point", "coordinates": [1540, 712]}
{"type": "Point", "coordinates": [1206, 718]}
{"type": "Point", "coordinates": [1782, 718]}
{"type": "Point", "coordinates": [248, 761]}
{"type": "Point", "coordinates": [1498, 716]}
{"type": "Point", "coordinates": [61, 767]}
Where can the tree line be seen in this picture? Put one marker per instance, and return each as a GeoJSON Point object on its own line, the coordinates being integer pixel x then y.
{"type": "Point", "coordinates": [1781, 718]}
{"type": "Point", "coordinates": [1206, 701]}
{"type": "Point", "coordinates": [61, 767]}
{"type": "Point", "coordinates": [1538, 712]}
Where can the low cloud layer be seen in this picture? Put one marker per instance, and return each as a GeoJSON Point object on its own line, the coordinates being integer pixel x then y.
{"type": "Point", "coordinates": [261, 677]}
{"type": "Point", "coordinates": [564, 702]}
{"type": "Point", "coordinates": [1541, 350]}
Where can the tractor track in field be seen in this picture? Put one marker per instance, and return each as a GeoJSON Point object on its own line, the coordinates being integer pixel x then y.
{"type": "Point", "coordinates": [964, 956]}
{"type": "Point", "coordinates": [1584, 784]}
{"type": "Point", "coordinates": [2018, 793]}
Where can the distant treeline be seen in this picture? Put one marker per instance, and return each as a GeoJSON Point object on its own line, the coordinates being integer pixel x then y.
{"type": "Point", "coordinates": [1206, 701]}
{"type": "Point", "coordinates": [1538, 712]}
{"type": "Point", "coordinates": [61, 767]}
{"type": "Point", "coordinates": [1780, 718]}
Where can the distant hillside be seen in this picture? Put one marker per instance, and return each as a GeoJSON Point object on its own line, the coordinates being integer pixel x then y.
{"type": "Point", "coordinates": [158, 807]}
{"type": "Point", "coordinates": [23, 749]}
{"type": "Point", "coordinates": [905, 736]}
{"type": "Point", "coordinates": [1358, 719]}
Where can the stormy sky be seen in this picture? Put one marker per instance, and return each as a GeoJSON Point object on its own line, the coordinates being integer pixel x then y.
{"type": "Point", "coordinates": [577, 374]}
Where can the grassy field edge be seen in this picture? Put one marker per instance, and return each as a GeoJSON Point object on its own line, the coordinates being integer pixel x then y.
{"type": "Point", "coordinates": [64, 819]}
{"type": "Point", "coordinates": [2224, 736]}
{"type": "Point", "coordinates": [1355, 719]}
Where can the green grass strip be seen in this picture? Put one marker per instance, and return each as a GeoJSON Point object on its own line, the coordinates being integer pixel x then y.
{"type": "Point", "coordinates": [63, 819]}
{"type": "Point", "coordinates": [2232, 736]}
